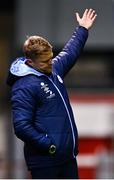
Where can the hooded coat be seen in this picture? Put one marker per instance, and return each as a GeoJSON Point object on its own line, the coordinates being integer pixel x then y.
{"type": "Point", "coordinates": [41, 111]}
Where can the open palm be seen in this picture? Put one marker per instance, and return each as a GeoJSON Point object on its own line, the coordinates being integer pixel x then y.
{"type": "Point", "coordinates": [87, 19]}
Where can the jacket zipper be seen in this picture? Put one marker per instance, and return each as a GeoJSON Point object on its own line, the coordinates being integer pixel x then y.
{"type": "Point", "coordinates": [67, 113]}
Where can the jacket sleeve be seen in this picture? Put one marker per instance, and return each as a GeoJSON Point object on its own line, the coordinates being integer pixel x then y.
{"type": "Point", "coordinates": [23, 109]}
{"type": "Point", "coordinates": [68, 56]}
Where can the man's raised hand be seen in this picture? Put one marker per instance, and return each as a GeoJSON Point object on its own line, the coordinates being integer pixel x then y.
{"type": "Point", "coordinates": [87, 19]}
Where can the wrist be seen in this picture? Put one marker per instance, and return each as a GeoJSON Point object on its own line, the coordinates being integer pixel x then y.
{"type": "Point", "coordinates": [84, 27]}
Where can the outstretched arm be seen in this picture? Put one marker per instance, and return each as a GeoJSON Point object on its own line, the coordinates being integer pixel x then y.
{"type": "Point", "coordinates": [72, 50]}
{"type": "Point", "coordinates": [87, 19]}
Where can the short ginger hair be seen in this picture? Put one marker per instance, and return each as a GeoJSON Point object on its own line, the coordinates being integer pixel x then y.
{"type": "Point", "coordinates": [35, 46]}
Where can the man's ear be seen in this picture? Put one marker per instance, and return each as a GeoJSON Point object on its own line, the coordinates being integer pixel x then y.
{"type": "Point", "coordinates": [29, 62]}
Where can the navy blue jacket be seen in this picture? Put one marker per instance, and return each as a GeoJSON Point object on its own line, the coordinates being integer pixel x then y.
{"type": "Point", "coordinates": [42, 114]}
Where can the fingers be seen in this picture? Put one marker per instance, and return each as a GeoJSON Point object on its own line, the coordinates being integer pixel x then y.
{"type": "Point", "coordinates": [78, 17]}
{"type": "Point", "coordinates": [94, 17]}
{"type": "Point", "coordinates": [90, 11]}
{"type": "Point", "coordinates": [85, 13]}
{"type": "Point", "coordinates": [91, 14]}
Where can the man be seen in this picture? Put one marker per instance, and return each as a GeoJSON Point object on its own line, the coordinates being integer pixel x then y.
{"type": "Point", "coordinates": [42, 115]}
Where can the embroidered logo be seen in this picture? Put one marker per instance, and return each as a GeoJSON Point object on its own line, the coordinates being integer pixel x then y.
{"type": "Point", "coordinates": [46, 89]}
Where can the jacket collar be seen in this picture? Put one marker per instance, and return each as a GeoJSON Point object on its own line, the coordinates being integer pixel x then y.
{"type": "Point", "coordinates": [19, 68]}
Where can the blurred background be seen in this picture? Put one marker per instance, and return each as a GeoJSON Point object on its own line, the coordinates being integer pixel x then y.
{"type": "Point", "coordinates": [90, 83]}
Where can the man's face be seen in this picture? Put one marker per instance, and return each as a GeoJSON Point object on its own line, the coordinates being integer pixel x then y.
{"type": "Point", "coordinates": [44, 63]}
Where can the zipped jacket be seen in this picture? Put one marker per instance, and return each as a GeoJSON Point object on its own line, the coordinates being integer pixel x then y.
{"type": "Point", "coordinates": [42, 114]}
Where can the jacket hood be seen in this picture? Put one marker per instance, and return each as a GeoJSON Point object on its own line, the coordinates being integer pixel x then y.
{"type": "Point", "coordinates": [19, 69]}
